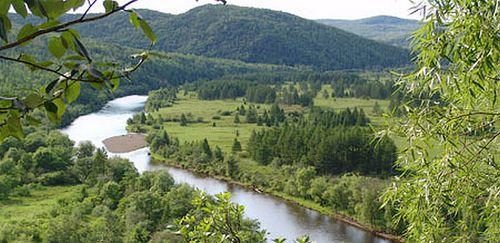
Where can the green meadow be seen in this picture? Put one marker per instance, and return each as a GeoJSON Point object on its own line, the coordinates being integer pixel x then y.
{"type": "Point", "coordinates": [221, 130]}
{"type": "Point", "coordinates": [37, 203]}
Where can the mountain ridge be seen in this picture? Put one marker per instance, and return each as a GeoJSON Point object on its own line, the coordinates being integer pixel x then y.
{"type": "Point", "coordinates": [383, 28]}
{"type": "Point", "coordinates": [252, 35]}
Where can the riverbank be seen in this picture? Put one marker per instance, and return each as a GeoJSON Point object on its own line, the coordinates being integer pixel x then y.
{"type": "Point", "coordinates": [290, 199]}
{"type": "Point", "coordinates": [125, 143]}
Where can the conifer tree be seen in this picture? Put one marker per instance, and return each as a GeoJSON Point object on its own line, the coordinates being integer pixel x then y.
{"type": "Point", "coordinates": [206, 148]}
{"type": "Point", "coordinates": [236, 146]}
{"type": "Point", "coordinates": [232, 167]}
{"type": "Point", "coordinates": [237, 118]}
{"type": "Point", "coordinates": [183, 121]}
{"type": "Point", "coordinates": [377, 110]}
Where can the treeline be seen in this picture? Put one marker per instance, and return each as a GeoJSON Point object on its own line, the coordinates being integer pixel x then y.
{"type": "Point", "coordinates": [272, 117]}
{"type": "Point", "coordinates": [164, 97]}
{"type": "Point", "coordinates": [366, 89]}
{"type": "Point", "coordinates": [290, 95]}
{"type": "Point", "coordinates": [232, 89]}
{"type": "Point", "coordinates": [112, 200]}
{"type": "Point", "coordinates": [255, 93]}
{"type": "Point", "coordinates": [222, 89]}
{"type": "Point", "coordinates": [300, 93]}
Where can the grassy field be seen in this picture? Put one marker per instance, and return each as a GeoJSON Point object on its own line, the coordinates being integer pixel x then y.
{"type": "Point", "coordinates": [41, 200]}
{"type": "Point", "coordinates": [225, 130]}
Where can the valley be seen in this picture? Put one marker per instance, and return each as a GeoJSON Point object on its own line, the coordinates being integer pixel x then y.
{"type": "Point", "coordinates": [229, 123]}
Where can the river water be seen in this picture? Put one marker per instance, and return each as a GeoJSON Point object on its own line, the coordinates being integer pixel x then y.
{"type": "Point", "coordinates": [278, 217]}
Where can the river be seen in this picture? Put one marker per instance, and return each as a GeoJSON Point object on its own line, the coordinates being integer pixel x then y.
{"type": "Point", "coordinates": [278, 217]}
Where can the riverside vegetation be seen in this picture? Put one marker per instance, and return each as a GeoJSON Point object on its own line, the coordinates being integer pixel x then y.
{"type": "Point", "coordinates": [317, 156]}
{"type": "Point", "coordinates": [92, 197]}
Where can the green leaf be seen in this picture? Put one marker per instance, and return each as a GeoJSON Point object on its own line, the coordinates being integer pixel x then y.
{"type": "Point", "coordinates": [5, 103]}
{"type": "Point", "coordinates": [80, 48]}
{"type": "Point", "coordinates": [54, 8]}
{"type": "Point", "coordinates": [4, 28]}
{"type": "Point", "coordinates": [28, 58]}
{"type": "Point", "coordinates": [48, 24]}
{"type": "Point", "coordinates": [61, 107]}
{"type": "Point", "coordinates": [50, 107]}
{"type": "Point", "coordinates": [110, 5]}
{"type": "Point", "coordinates": [73, 4]}
{"type": "Point", "coordinates": [46, 63]}
{"type": "Point", "coordinates": [55, 110]}
{"type": "Point", "coordinates": [72, 92]}
{"type": "Point", "coordinates": [32, 121]}
{"type": "Point", "coordinates": [98, 86]}
{"type": "Point", "coordinates": [51, 86]}
{"type": "Point", "coordinates": [56, 47]}
{"type": "Point", "coordinates": [4, 7]}
{"type": "Point", "coordinates": [26, 30]}
{"type": "Point", "coordinates": [116, 83]}
{"type": "Point", "coordinates": [38, 5]}
{"type": "Point", "coordinates": [14, 125]}
{"type": "Point", "coordinates": [20, 7]}
{"type": "Point", "coordinates": [148, 31]}
{"type": "Point", "coordinates": [134, 20]}
{"type": "Point", "coordinates": [67, 41]}
{"type": "Point", "coordinates": [33, 100]}
{"type": "Point", "coordinates": [96, 73]}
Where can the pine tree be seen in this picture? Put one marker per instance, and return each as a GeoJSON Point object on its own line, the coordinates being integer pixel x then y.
{"type": "Point", "coordinates": [218, 153]}
{"type": "Point", "coordinates": [236, 146]}
{"type": "Point", "coordinates": [206, 148]}
{"type": "Point", "coordinates": [259, 121]}
{"type": "Point", "coordinates": [251, 116]}
{"type": "Point", "coordinates": [184, 120]}
{"type": "Point", "coordinates": [232, 167]}
{"type": "Point", "coordinates": [377, 110]}
{"type": "Point", "coordinates": [142, 118]}
{"type": "Point", "coordinates": [242, 110]}
{"type": "Point", "coordinates": [326, 95]}
{"type": "Point", "coordinates": [237, 118]}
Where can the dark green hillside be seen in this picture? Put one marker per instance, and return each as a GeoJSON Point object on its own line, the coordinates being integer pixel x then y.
{"type": "Point", "coordinates": [162, 70]}
{"type": "Point", "coordinates": [387, 29]}
{"type": "Point", "coordinates": [252, 35]}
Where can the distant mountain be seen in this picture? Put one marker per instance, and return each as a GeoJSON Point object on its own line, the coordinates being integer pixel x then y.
{"type": "Point", "coordinates": [252, 35]}
{"type": "Point", "coordinates": [387, 29]}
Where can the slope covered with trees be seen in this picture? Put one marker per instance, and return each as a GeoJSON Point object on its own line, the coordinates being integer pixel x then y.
{"type": "Point", "coordinates": [252, 35]}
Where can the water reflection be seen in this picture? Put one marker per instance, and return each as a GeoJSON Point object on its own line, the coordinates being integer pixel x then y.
{"type": "Point", "coordinates": [278, 217]}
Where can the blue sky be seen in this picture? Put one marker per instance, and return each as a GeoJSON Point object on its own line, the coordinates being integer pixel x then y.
{"type": "Point", "coordinates": [310, 9]}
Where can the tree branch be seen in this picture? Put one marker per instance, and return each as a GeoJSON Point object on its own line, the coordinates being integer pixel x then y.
{"type": "Point", "coordinates": [48, 70]}
{"type": "Point", "coordinates": [88, 9]}
{"type": "Point", "coordinates": [63, 26]}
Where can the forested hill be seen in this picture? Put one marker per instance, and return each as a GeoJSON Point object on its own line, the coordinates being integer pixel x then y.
{"type": "Point", "coordinates": [252, 35]}
{"type": "Point", "coordinates": [387, 29]}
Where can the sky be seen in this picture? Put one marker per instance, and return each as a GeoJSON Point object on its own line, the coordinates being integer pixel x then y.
{"type": "Point", "coordinates": [309, 9]}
